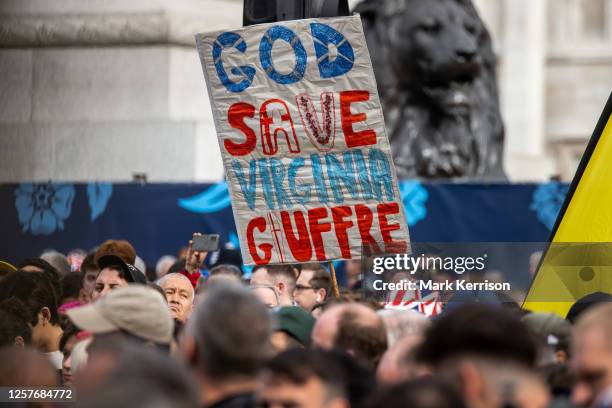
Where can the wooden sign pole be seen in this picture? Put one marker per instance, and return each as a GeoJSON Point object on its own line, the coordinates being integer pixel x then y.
{"type": "Point", "coordinates": [335, 288]}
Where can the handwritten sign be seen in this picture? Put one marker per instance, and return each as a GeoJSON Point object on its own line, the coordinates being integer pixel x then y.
{"type": "Point", "coordinates": [303, 141]}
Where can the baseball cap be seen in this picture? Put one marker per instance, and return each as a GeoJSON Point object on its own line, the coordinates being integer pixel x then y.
{"type": "Point", "coordinates": [121, 248]}
{"type": "Point", "coordinates": [296, 322]}
{"type": "Point", "coordinates": [6, 268]}
{"type": "Point", "coordinates": [130, 272]}
{"type": "Point", "coordinates": [137, 309]}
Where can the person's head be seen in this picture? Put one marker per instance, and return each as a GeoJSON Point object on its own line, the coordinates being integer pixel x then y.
{"type": "Point", "coordinates": [398, 364]}
{"type": "Point", "coordinates": [178, 266]}
{"type": "Point", "coordinates": [292, 329]}
{"type": "Point", "coordinates": [592, 355]}
{"type": "Point", "coordinates": [67, 343]}
{"type": "Point", "coordinates": [72, 289]}
{"type": "Point", "coordinates": [14, 328]}
{"type": "Point", "coordinates": [40, 265]}
{"type": "Point", "coordinates": [587, 302]}
{"type": "Point", "coordinates": [163, 265]}
{"type": "Point", "coordinates": [354, 328]}
{"type": "Point", "coordinates": [228, 335]}
{"type": "Point", "coordinates": [420, 393]}
{"type": "Point", "coordinates": [267, 295]}
{"type": "Point", "coordinates": [90, 271]}
{"type": "Point", "coordinates": [402, 323]}
{"type": "Point", "coordinates": [58, 261]}
{"type": "Point", "coordinates": [302, 378]}
{"type": "Point", "coordinates": [353, 271]}
{"type": "Point", "coordinates": [179, 293]}
{"type": "Point", "coordinates": [312, 287]}
{"type": "Point", "coordinates": [115, 273]}
{"type": "Point", "coordinates": [37, 294]}
{"type": "Point", "coordinates": [75, 258]}
{"type": "Point", "coordinates": [554, 334]}
{"type": "Point", "coordinates": [224, 272]}
{"type": "Point", "coordinates": [534, 261]}
{"type": "Point", "coordinates": [487, 352]}
{"type": "Point", "coordinates": [26, 368]}
{"type": "Point", "coordinates": [120, 248]}
{"type": "Point", "coordinates": [125, 375]}
{"type": "Point", "coordinates": [134, 313]}
{"type": "Point", "coordinates": [281, 277]}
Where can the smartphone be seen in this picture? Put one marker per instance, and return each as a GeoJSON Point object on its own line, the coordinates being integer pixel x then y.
{"type": "Point", "coordinates": [205, 243]}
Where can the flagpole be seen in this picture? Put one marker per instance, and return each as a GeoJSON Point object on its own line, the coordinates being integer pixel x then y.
{"type": "Point", "coordinates": [332, 271]}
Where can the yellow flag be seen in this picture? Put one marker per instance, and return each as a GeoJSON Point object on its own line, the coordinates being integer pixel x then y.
{"type": "Point", "coordinates": [578, 260]}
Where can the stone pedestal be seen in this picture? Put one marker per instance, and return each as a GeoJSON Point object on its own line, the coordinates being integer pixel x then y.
{"type": "Point", "coordinates": [100, 90]}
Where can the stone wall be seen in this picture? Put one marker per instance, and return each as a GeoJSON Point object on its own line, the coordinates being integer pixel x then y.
{"type": "Point", "coordinates": [100, 90]}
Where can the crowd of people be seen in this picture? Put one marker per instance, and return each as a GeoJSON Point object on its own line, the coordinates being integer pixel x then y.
{"type": "Point", "coordinates": [190, 334]}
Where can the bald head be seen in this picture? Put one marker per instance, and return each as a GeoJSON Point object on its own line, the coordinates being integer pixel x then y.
{"type": "Point", "coordinates": [354, 328]}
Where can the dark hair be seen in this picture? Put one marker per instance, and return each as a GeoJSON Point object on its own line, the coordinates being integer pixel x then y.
{"type": "Point", "coordinates": [480, 330]}
{"type": "Point", "coordinates": [34, 290]}
{"type": "Point", "coordinates": [178, 266]}
{"type": "Point", "coordinates": [150, 273]}
{"type": "Point", "coordinates": [559, 378]}
{"type": "Point", "coordinates": [47, 269]}
{"type": "Point", "coordinates": [119, 269]}
{"type": "Point", "coordinates": [368, 341]}
{"type": "Point", "coordinates": [298, 365]}
{"type": "Point", "coordinates": [70, 330]}
{"type": "Point", "coordinates": [420, 393]}
{"type": "Point", "coordinates": [89, 264]}
{"type": "Point", "coordinates": [226, 269]}
{"type": "Point", "coordinates": [227, 347]}
{"type": "Point", "coordinates": [71, 286]}
{"type": "Point", "coordinates": [13, 322]}
{"type": "Point", "coordinates": [139, 377]}
{"type": "Point", "coordinates": [287, 270]}
{"type": "Point", "coordinates": [320, 277]}
{"type": "Point", "coordinates": [585, 303]}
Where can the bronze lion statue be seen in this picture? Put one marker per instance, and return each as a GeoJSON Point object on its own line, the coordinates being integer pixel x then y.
{"type": "Point", "coordinates": [435, 69]}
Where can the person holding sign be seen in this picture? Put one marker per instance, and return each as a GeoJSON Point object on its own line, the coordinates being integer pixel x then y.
{"type": "Point", "coordinates": [303, 141]}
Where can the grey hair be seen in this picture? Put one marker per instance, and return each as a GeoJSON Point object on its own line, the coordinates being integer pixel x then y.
{"type": "Point", "coordinates": [232, 331]}
{"type": "Point", "coordinates": [167, 276]}
{"type": "Point", "coordinates": [58, 261]}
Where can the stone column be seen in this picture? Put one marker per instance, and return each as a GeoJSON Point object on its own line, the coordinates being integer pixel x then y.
{"type": "Point", "coordinates": [522, 84]}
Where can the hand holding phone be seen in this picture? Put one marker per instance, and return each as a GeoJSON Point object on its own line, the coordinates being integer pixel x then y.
{"type": "Point", "coordinates": [199, 246]}
{"type": "Point", "coordinates": [206, 243]}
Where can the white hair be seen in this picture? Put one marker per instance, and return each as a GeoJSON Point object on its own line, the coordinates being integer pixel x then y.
{"type": "Point", "coordinates": [161, 281]}
{"type": "Point", "coordinates": [163, 264]}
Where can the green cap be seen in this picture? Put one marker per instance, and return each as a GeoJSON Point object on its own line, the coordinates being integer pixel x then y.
{"type": "Point", "coordinates": [296, 322]}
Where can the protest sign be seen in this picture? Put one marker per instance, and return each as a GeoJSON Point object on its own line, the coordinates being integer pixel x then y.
{"type": "Point", "coordinates": [303, 141]}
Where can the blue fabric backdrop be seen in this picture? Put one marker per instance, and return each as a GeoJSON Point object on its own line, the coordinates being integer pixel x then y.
{"type": "Point", "coordinates": [159, 218]}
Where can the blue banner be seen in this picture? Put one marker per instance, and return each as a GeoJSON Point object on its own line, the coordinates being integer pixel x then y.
{"type": "Point", "coordinates": [158, 219]}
